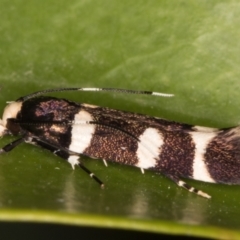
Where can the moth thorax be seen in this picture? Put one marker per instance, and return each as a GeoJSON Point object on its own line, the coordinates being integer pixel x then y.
{"type": "Point", "coordinates": [11, 111]}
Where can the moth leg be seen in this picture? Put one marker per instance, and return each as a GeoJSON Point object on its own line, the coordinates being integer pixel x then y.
{"type": "Point", "coordinates": [9, 147]}
{"type": "Point", "coordinates": [105, 162]}
{"type": "Point", "coordinates": [73, 159]}
{"type": "Point", "coordinates": [184, 185]}
{"type": "Point", "coordinates": [91, 174]}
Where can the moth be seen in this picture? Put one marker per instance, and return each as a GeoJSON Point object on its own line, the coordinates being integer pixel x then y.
{"type": "Point", "coordinates": [71, 130]}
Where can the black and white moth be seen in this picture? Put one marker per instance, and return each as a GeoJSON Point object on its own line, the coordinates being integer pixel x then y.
{"type": "Point", "coordinates": [70, 129]}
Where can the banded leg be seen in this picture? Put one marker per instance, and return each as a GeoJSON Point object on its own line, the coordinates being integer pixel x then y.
{"type": "Point", "coordinates": [184, 185]}
{"type": "Point", "coordinates": [73, 159]}
{"type": "Point", "coordinates": [9, 147]}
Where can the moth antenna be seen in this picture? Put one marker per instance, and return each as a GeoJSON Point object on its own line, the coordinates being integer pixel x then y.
{"type": "Point", "coordinates": [75, 122]}
{"type": "Point", "coordinates": [39, 93]}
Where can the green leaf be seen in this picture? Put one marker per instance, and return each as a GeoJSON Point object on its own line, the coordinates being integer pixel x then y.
{"type": "Point", "coordinates": [189, 48]}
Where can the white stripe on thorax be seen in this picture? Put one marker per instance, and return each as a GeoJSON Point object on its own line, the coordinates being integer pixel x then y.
{"type": "Point", "coordinates": [201, 140]}
{"type": "Point", "coordinates": [81, 133]}
{"type": "Point", "coordinates": [149, 148]}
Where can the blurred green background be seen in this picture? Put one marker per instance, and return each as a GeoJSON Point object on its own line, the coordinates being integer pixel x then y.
{"type": "Point", "coordinates": [189, 48]}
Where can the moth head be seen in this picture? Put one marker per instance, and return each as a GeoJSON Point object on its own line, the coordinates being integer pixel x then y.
{"type": "Point", "coordinates": [10, 111]}
{"type": "Point", "coordinates": [2, 129]}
